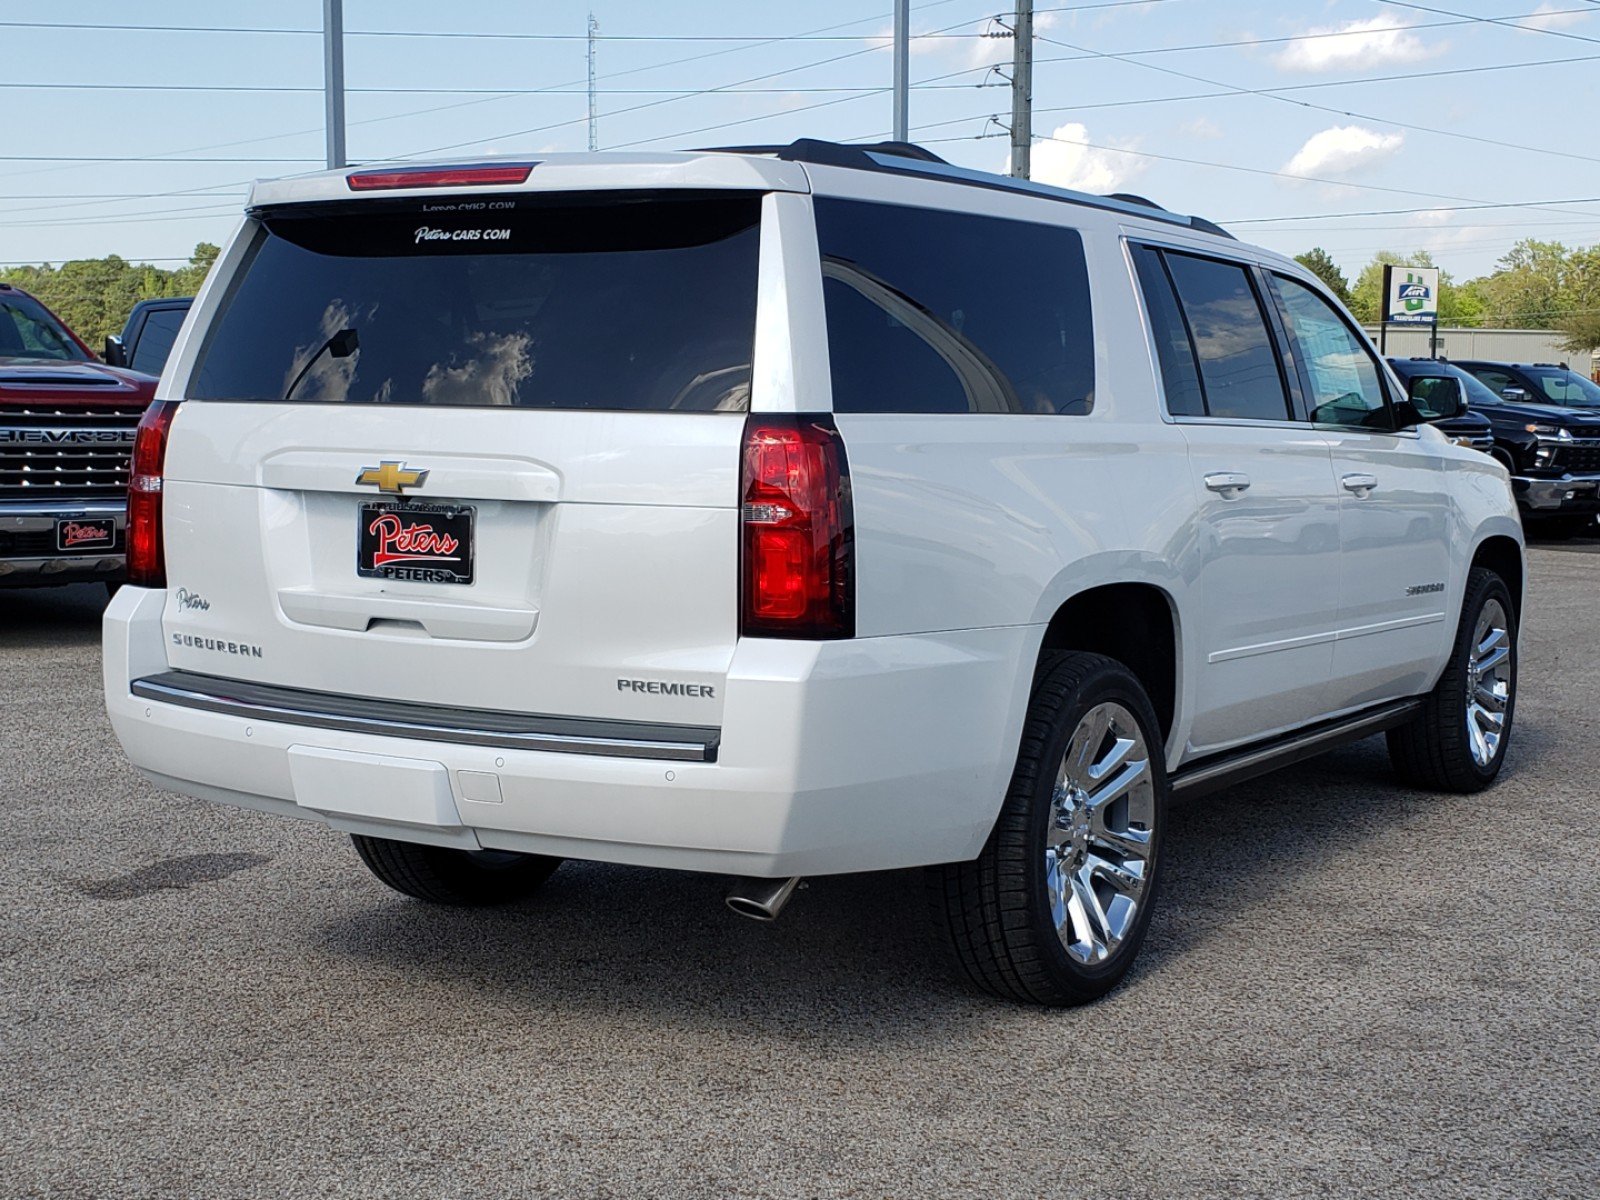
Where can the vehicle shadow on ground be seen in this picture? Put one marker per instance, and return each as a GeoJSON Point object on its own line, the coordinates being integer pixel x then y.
{"type": "Point", "coordinates": [56, 616]}
{"type": "Point", "coordinates": [610, 937]}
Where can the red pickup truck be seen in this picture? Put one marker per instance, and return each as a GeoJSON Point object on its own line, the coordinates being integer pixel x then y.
{"type": "Point", "coordinates": [66, 431]}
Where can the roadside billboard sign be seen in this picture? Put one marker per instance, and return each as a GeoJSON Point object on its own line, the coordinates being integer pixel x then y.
{"type": "Point", "coordinates": [1411, 295]}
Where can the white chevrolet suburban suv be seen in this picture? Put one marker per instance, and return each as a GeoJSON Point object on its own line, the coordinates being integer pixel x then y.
{"type": "Point", "coordinates": [783, 512]}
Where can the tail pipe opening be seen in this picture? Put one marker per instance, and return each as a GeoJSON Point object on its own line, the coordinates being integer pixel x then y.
{"type": "Point", "coordinates": [761, 899]}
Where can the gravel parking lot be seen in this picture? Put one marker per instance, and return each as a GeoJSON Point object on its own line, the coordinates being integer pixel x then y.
{"type": "Point", "coordinates": [1349, 990]}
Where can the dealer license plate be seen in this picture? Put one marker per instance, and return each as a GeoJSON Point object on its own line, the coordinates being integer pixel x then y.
{"type": "Point", "coordinates": [415, 542]}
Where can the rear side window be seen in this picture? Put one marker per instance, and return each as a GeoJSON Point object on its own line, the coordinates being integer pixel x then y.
{"type": "Point", "coordinates": [617, 302]}
{"type": "Point", "coordinates": [1345, 386]}
{"type": "Point", "coordinates": [1180, 376]}
{"type": "Point", "coordinates": [1238, 360]}
{"type": "Point", "coordinates": [155, 340]}
{"type": "Point", "coordinates": [936, 312]}
{"type": "Point", "coordinates": [1498, 381]}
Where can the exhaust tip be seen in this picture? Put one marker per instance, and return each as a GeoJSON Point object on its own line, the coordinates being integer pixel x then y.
{"type": "Point", "coordinates": [761, 899]}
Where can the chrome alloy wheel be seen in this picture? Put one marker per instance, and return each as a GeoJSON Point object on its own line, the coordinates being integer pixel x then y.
{"type": "Point", "coordinates": [1098, 847]}
{"type": "Point", "coordinates": [1488, 683]}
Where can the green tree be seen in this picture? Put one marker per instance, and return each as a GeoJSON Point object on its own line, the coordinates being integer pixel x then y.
{"type": "Point", "coordinates": [1579, 322]}
{"type": "Point", "coordinates": [94, 295]}
{"type": "Point", "coordinates": [1525, 291]}
{"type": "Point", "coordinates": [1320, 263]}
{"type": "Point", "coordinates": [1457, 305]}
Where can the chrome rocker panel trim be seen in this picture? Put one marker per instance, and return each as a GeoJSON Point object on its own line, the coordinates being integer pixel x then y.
{"type": "Point", "coordinates": [1235, 766]}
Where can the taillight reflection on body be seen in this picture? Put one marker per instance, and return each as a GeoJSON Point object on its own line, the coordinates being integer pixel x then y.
{"type": "Point", "coordinates": [147, 566]}
{"type": "Point", "coordinates": [797, 530]}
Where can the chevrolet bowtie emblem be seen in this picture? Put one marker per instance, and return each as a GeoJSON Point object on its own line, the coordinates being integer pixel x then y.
{"type": "Point", "coordinates": [392, 477]}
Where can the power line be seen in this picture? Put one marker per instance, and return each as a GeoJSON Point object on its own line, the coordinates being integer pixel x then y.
{"type": "Point", "coordinates": [1272, 94]}
{"type": "Point", "coordinates": [425, 91]}
{"type": "Point", "coordinates": [1396, 212]}
{"type": "Point", "coordinates": [666, 100]}
{"type": "Point", "coordinates": [495, 97]}
{"type": "Point", "coordinates": [140, 158]}
{"type": "Point", "coordinates": [1504, 22]}
{"type": "Point", "coordinates": [479, 35]}
{"type": "Point", "coordinates": [1101, 104]}
{"type": "Point", "coordinates": [1311, 37]}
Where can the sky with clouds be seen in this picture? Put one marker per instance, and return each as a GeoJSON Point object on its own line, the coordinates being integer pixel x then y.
{"type": "Point", "coordinates": [1295, 124]}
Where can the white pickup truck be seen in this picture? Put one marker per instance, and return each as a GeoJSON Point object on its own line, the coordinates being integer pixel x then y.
{"type": "Point", "coordinates": [790, 512]}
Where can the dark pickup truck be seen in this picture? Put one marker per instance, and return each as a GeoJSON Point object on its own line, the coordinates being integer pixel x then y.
{"type": "Point", "coordinates": [148, 336]}
{"type": "Point", "coordinates": [1547, 432]}
{"type": "Point", "coordinates": [66, 431]}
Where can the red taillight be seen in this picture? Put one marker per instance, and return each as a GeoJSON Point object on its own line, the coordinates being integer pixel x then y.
{"type": "Point", "coordinates": [798, 530]}
{"type": "Point", "coordinates": [421, 177]}
{"type": "Point", "coordinates": [147, 565]}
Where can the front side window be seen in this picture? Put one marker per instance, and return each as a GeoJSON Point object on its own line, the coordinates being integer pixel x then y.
{"type": "Point", "coordinates": [936, 312]}
{"type": "Point", "coordinates": [29, 332]}
{"type": "Point", "coordinates": [1346, 388]}
{"type": "Point", "coordinates": [612, 302]}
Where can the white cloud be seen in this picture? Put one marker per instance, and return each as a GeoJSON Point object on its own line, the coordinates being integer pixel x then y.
{"type": "Point", "coordinates": [1065, 163]}
{"type": "Point", "coordinates": [1343, 150]}
{"type": "Point", "coordinates": [1201, 129]}
{"type": "Point", "coordinates": [919, 44]}
{"type": "Point", "coordinates": [1551, 16]}
{"type": "Point", "coordinates": [1377, 41]}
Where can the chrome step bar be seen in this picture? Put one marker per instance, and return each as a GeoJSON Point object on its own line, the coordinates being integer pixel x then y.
{"type": "Point", "coordinates": [427, 722]}
{"type": "Point", "coordinates": [1235, 766]}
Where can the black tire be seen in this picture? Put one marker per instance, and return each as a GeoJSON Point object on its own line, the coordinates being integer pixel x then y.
{"type": "Point", "coordinates": [441, 875]}
{"type": "Point", "coordinates": [996, 910]}
{"type": "Point", "coordinates": [1434, 752]}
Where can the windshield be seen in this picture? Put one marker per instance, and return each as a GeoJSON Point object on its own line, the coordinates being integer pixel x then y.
{"type": "Point", "coordinates": [1565, 387]}
{"type": "Point", "coordinates": [610, 302]}
{"type": "Point", "coordinates": [1477, 391]}
{"type": "Point", "coordinates": [28, 333]}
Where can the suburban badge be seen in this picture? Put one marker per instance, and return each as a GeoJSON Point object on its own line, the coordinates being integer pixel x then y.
{"type": "Point", "coordinates": [391, 477]}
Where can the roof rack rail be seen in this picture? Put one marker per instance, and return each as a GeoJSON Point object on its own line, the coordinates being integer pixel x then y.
{"type": "Point", "coordinates": [905, 158]}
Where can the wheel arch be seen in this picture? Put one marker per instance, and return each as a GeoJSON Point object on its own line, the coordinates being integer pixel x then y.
{"type": "Point", "coordinates": [1502, 554]}
{"type": "Point", "coordinates": [1136, 623]}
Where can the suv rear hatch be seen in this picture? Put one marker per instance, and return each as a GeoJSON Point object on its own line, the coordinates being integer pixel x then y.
{"type": "Point", "coordinates": [472, 451]}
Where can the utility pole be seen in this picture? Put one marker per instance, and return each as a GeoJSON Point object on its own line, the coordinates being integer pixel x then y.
{"type": "Point", "coordinates": [333, 78]}
{"type": "Point", "coordinates": [594, 119]}
{"type": "Point", "coordinates": [902, 70]}
{"type": "Point", "coordinates": [1022, 91]}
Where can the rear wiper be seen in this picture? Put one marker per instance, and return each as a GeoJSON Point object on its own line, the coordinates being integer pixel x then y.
{"type": "Point", "coordinates": [342, 344]}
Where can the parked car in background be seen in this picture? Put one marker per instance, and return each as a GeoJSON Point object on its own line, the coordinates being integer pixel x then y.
{"type": "Point", "coordinates": [1547, 431]}
{"type": "Point", "coordinates": [66, 431]}
{"type": "Point", "coordinates": [1442, 394]}
{"type": "Point", "coordinates": [147, 336]}
{"type": "Point", "coordinates": [736, 512]}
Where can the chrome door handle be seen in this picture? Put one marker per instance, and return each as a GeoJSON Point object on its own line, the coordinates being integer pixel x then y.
{"type": "Point", "coordinates": [1229, 483]}
{"type": "Point", "coordinates": [1361, 485]}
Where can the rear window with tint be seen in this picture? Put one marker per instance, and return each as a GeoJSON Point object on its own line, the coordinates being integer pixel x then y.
{"type": "Point", "coordinates": [611, 303]}
{"type": "Point", "coordinates": [941, 312]}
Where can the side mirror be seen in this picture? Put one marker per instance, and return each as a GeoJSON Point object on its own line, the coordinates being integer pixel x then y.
{"type": "Point", "coordinates": [116, 354]}
{"type": "Point", "coordinates": [1436, 397]}
{"type": "Point", "coordinates": [1515, 394]}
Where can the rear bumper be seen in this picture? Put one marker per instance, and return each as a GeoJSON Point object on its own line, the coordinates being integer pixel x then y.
{"type": "Point", "coordinates": [863, 755]}
{"type": "Point", "coordinates": [1557, 497]}
{"type": "Point", "coordinates": [29, 556]}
